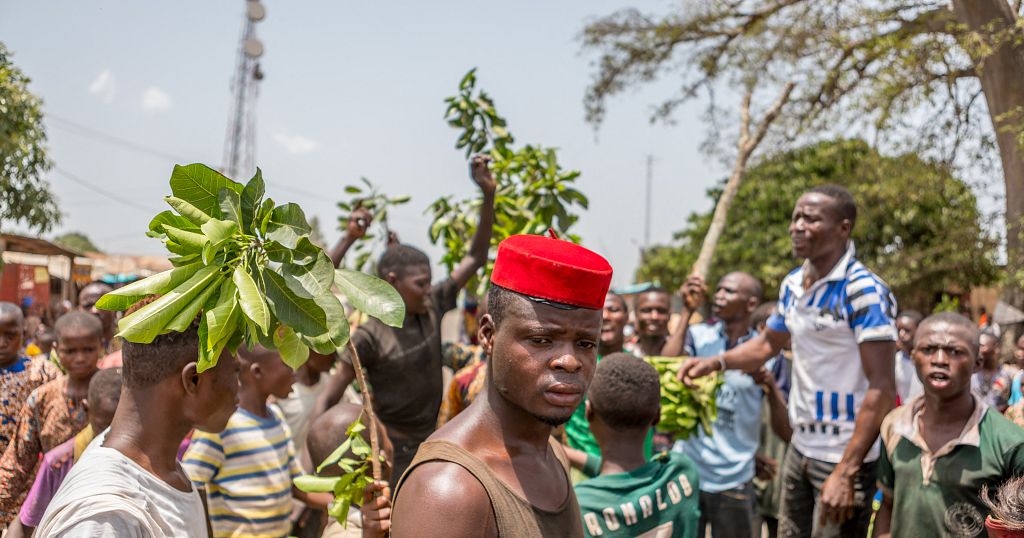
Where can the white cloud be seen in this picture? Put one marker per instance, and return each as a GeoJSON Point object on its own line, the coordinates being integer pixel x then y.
{"type": "Point", "coordinates": [156, 100]}
{"type": "Point", "coordinates": [104, 86]}
{"type": "Point", "coordinates": [296, 144]}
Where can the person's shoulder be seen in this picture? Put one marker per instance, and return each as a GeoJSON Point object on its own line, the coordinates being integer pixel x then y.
{"type": "Point", "coordinates": [59, 455]}
{"type": "Point", "coordinates": [44, 370]}
{"type": "Point", "coordinates": [1000, 429]}
{"type": "Point", "coordinates": [433, 490]}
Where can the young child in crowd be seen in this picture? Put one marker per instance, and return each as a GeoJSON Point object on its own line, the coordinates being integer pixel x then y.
{"type": "Point", "coordinates": [19, 375]}
{"type": "Point", "coordinates": [248, 468]}
{"type": "Point", "coordinates": [298, 406]}
{"type": "Point", "coordinates": [54, 412]}
{"type": "Point", "coordinates": [328, 432]}
{"type": "Point", "coordinates": [633, 495]}
{"type": "Point", "coordinates": [129, 482]}
{"type": "Point", "coordinates": [104, 393]}
{"type": "Point", "coordinates": [943, 447]}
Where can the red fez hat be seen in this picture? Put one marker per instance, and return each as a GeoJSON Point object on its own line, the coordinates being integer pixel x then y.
{"type": "Point", "coordinates": [552, 270]}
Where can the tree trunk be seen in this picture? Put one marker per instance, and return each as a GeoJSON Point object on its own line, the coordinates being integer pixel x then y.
{"type": "Point", "coordinates": [1002, 80]}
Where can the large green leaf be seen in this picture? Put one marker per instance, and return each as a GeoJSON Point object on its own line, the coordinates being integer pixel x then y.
{"type": "Point", "coordinates": [372, 296]}
{"type": "Point", "coordinates": [314, 281]}
{"type": "Point", "coordinates": [192, 213]}
{"type": "Point", "coordinates": [187, 315]}
{"type": "Point", "coordinates": [250, 299]}
{"type": "Point", "coordinates": [217, 231]}
{"type": "Point", "coordinates": [189, 241]}
{"type": "Point", "coordinates": [146, 323]}
{"type": "Point", "coordinates": [252, 194]}
{"type": "Point", "coordinates": [156, 226]}
{"type": "Point", "coordinates": [218, 316]}
{"type": "Point", "coordinates": [301, 314]}
{"type": "Point", "coordinates": [199, 185]}
{"type": "Point", "coordinates": [287, 224]}
{"type": "Point", "coordinates": [293, 352]}
{"type": "Point", "coordinates": [122, 298]}
{"type": "Point", "coordinates": [231, 206]}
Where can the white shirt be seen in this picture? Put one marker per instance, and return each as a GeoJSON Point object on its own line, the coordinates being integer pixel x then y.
{"type": "Point", "coordinates": [108, 495]}
{"type": "Point", "coordinates": [826, 323]}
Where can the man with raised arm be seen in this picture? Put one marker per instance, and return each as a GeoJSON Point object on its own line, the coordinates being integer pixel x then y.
{"type": "Point", "coordinates": [838, 317]}
{"type": "Point", "coordinates": [404, 364]}
{"type": "Point", "coordinates": [495, 470]}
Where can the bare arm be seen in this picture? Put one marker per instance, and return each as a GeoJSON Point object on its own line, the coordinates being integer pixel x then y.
{"type": "Point", "coordinates": [883, 517]}
{"type": "Point", "coordinates": [748, 356]}
{"type": "Point", "coordinates": [693, 291]}
{"type": "Point", "coordinates": [442, 499]}
{"type": "Point", "coordinates": [358, 222]}
{"type": "Point", "coordinates": [334, 389]}
{"type": "Point", "coordinates": [478, 249]}
{"type": "Point", "coordinates": [837, 492]}
{"type": "Point", "coordinates": [778, 411]}
{"type": "Point", "coordinates": [318, 501]}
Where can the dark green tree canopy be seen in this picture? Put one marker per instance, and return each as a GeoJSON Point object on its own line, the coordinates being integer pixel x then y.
{"type": "Point", "coordinates": [24, 196]}
{"type": "Point", "coordinates": [918, 226]}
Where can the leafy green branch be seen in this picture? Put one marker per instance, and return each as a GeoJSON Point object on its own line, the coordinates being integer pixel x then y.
{"type": "Point", "coordinates": [378, 204]}
{"type": "Point", "coordinates": [534, 191]}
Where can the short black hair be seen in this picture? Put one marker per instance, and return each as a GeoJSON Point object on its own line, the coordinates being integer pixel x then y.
{"type": "Point", "coordinates": [621, 300]}
{"type": "Point", "coordinates": [397, 258]}
{"type": "Point", "coordinates": [914, 316]}
{"type": "Point", "coordinates": [105, 385]}
{"type": "Point", "coordinates": [11, 309]}
{"type": "Point", "coordinates": [625, 392]}
{"type": "Point", "coordinates": [77, 320]}
{"type": "Point", "coordinates": [761, 314]}
{"type": "Point", "coordinates": [956, 320]}
{"type": "Point", "coordinates": [500, 299]}
{"type": "Point", "coordinates": [329, 430]}
{"type": "Point", "coordinates": [756, 289]}
{"type": "Point", "coordinates": [844, 206]}
{"type": "Point", "coordinates": [148, 364]}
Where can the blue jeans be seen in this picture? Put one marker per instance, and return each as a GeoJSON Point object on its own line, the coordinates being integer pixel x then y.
{"type": "Point", "coordinates": [802, 480]}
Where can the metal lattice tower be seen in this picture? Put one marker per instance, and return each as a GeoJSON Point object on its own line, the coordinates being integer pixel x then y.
{"type": "Point", "coordinates": [240, 141]}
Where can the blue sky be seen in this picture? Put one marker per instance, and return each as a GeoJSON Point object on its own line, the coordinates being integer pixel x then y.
{"type": "Point", "coordinates": [352, 89]}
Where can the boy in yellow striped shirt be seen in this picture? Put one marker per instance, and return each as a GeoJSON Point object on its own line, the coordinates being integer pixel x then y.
{"type": "Point", "coordinates": [248, 468]}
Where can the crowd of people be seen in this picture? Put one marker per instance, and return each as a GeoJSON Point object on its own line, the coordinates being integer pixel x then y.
{"type": "Point", "coordinates": [838, 414]}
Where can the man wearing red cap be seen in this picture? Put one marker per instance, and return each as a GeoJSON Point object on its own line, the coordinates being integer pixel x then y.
{"type": "Point", "coordinates": [494, 469]}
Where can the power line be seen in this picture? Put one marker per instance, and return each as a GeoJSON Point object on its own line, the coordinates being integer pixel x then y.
{"type": "Point", "coordinates": [83, 130]}
{"type": "Point", "coordinates": [130, 203]}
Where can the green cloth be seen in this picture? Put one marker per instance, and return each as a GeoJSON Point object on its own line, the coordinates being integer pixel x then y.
{"type": "Point", "coordinates": [947, 502]}
{"type": "Point", "coordinates": [580, 438]}
{"type": "Point", "coordinates": [663, 494]}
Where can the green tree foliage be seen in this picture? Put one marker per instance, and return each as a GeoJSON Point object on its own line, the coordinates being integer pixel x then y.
{"type": "Point", "coordinates": [937, 77]}
{"type": "Point", "coordinates": [24, 196]}
{"type": "Point", "coordinates": [534, 192]}
{"type": "Point", "coordinates": [918, 226]}
{"type": "Point", "coordinates": [77, 241]}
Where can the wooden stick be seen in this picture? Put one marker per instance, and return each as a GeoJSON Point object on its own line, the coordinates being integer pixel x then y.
{"type": "Point", "coordinates": [367, 411]}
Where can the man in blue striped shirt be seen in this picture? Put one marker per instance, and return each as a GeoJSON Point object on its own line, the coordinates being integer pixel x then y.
{"type": "Point", "coordinates": [838, 318]}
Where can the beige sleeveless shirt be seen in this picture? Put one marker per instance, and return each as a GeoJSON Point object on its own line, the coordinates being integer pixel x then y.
{"type": "Point", "coordinates": [515, 516]}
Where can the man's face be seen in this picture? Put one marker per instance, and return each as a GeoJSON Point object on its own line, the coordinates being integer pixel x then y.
{"type": "Point", "coordinates": [79, 351]}
{"type": "Point", "coordinates": [12, 331]}
{"type": "Point", "coordinates": [814, 228]}
{"type": "Point", "coordinates": [989, 348]}
{"type": "Point", "coordinates": [414, 287]}
{"type": "Point", "coordinates": [542, 358]}
{"type": "Point", "coordinates": [906, 327]}
{"type": "Point", "coordinates": [944, 359]}
{"type": "Point", "coordinates": [732, 299]}
{"type": "Point", "coordinates": [613, 320]}
{"type": "Point", "coordinates": [652, 314]}
{"type": "Point", "coordinates": [87, 301]}
{"type": "Point", "coordinates": [217, 394]}
{"type": "Point", "coordinates": [276, 377]}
